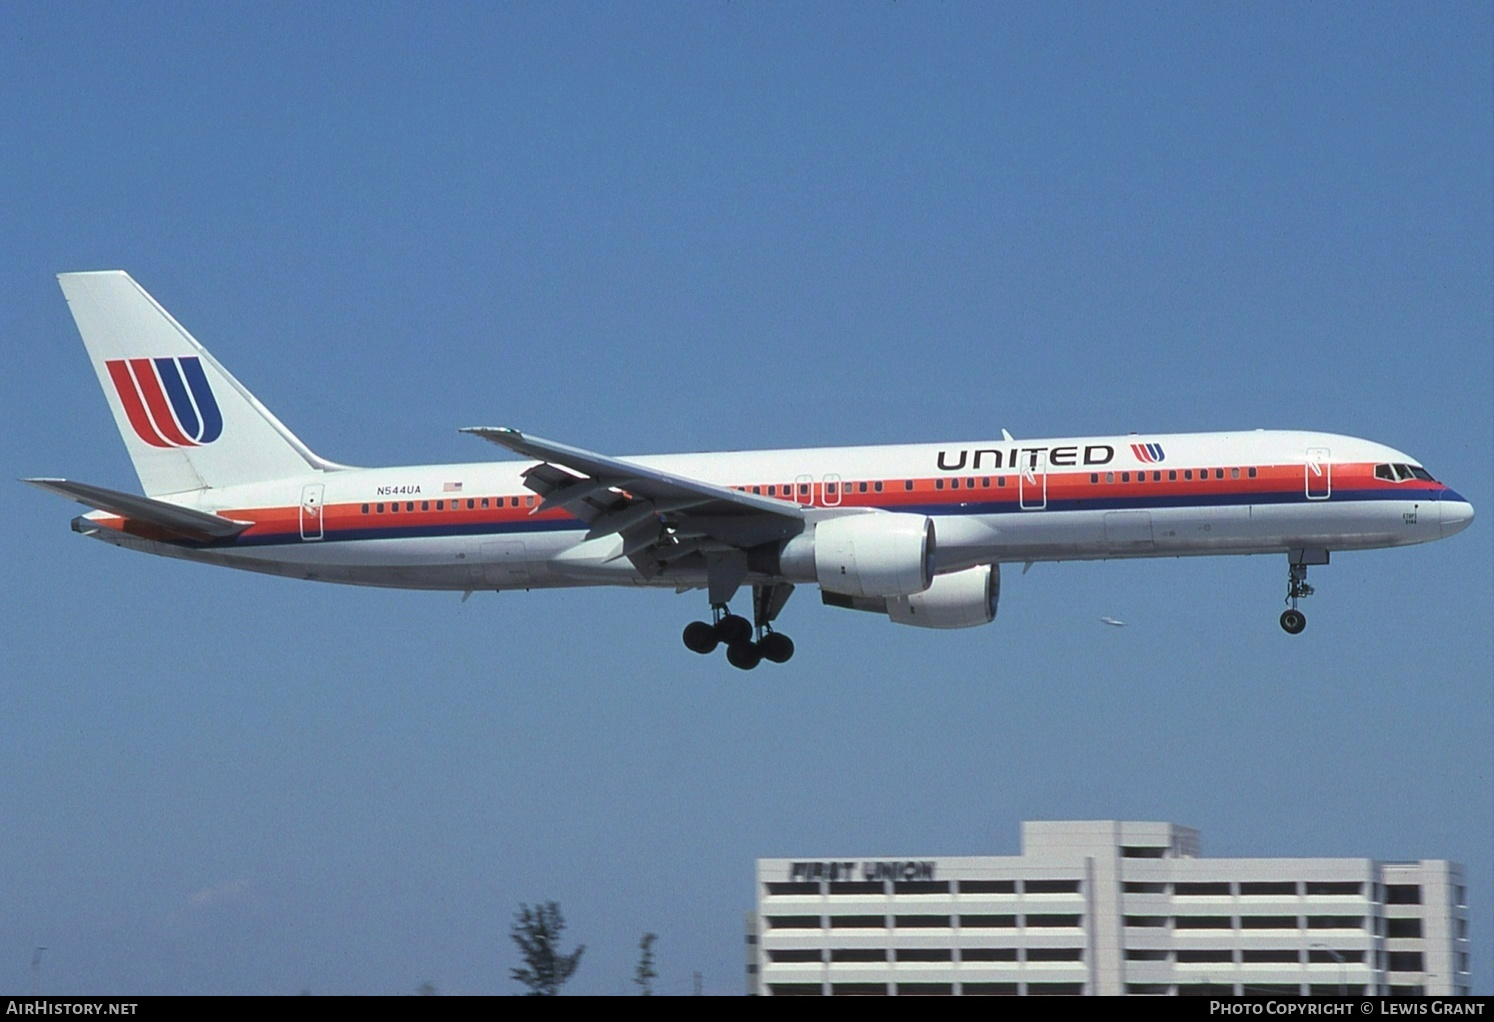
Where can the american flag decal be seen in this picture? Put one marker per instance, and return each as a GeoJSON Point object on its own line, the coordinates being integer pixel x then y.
{"type": "Point", "coordinates": [451, 488]}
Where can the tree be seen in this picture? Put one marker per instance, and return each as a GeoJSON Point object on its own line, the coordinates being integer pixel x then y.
{"type": "Point", "coordinates": [645, 975]}
{"type": "Point", "coordinates": [537, 932]}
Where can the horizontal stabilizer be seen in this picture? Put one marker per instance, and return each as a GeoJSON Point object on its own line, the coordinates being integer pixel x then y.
{"type": "Point", "coordinates": [183, 520]}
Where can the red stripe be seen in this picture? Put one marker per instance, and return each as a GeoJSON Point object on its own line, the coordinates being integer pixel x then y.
{"type": "Point", "coordinates": [124, 384]}
{"type": "Point", "coordinates": [155, 400]}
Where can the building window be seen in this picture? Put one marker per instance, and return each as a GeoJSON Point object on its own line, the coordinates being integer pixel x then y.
{"type": "Point", "coordinates": [857, 887]}
{"type": "Point", "coordinates": [1402, 894]}
{"type": "Point", "coordinates": [858, 989]}
{"type": "Point", "coordinates": [1403, 927]}
{"type": "Point", "coordinates": [1277, 887]}
{"type": "Point", "coordinates": [1205, 955]}
{"type": "Point", "coordinates": [1406, 961]}
{"type": "Point", "coordinates": [797, 887]}
{"type": "Point", "coordinates": [921, 887]}
{"type": "Point", "coordinates": [1051, 887]}
{"type": "Point", "coordinates": [1136, 887]}
{"type": "Point", "coordinates": [920, 922]}
{"type": "Point", "coordinates": [1335, 922]}
{"type": "Point", "coordinates": [1049, 921]}
{"type": "Point", "coordinates": [1352, 887]}
{"type": "Point", "coordinates": [1268, 922]}
{"type": "Point", "coordinates": [794, 922]}
{"type": "Point", "coordinates": [858, 922]}
{"type": "Point", "coordinates": [999, 922]}
{"type": "Point", "coordinates": [988, 887]}
{"type": "Point", "coordinates": [1055, 954]}
{"type": "Point", "coordinates": [795, 955]}
{"type": "Point", "coordinates": [1203, 923]}
{"type": "Point", "coordinates": [924, 954]}
{"type": "Point", "coordinates": [1201, 889]}
{"type": "Point", "coordinates": [989, 989]}
{"type": "Point", "coordinates": [858, 954]}
{"type": "Point", "coordinates": [1270, 955]}
{"type": "Point", "coordinates": [1146, 955]}
{"type": "Point", "coordinates": [988, 954]}
{"type": "Point", "coordinates": [1147, 922]}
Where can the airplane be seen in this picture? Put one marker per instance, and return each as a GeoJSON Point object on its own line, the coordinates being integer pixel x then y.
{"type": "Point", "coordinates": [917, 532]}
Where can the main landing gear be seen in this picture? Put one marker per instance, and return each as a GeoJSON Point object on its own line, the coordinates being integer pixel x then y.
{"type": "Point", "coordinates": [736, 633]}
{"type": "Point", "coordinates": [1292, 619]}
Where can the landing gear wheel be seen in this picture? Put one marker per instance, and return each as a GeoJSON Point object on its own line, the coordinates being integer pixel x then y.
{"type": "Point", "coordinates": [733, 629]}
{"type": "Point", "coordinates": [744, 655]}
{"type": "Point", "coordinates": [776, 647]}
{"type": "Point", "coordinates": [1293, 621]}
{"type": "Point", "coordinates": [700, 637]}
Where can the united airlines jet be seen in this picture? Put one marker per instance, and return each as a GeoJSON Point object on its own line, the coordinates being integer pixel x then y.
{"type": "Point", "coordinates": [917, 532]}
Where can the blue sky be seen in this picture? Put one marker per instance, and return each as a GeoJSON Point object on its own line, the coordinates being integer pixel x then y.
{"type": "Point", "coordinates": [711, 226]}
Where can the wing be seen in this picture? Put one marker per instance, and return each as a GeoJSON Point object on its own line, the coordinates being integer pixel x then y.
{"type": "Point", "coordinates": [182, 521]}
{"type": "Point", "coordinates": [663, 519]}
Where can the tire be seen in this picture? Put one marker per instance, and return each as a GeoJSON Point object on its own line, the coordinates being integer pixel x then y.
{"type": "Point", "coordinates": [1293, 621]}
{"type": "Point", "coordinates": [777, 647]}
{"type": "Point", "coordinates": [744, 655]}
{"type": "Point", "coordinates": [733, 629]}
{"type": "Point", "coordinates": [700, 637]}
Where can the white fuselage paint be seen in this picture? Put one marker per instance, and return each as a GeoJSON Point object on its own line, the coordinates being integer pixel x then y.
{"type": "Point", "coordinates": [1044, 509]}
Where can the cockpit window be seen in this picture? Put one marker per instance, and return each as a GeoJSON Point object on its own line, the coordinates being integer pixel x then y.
{"type": "Point", "coordinates": [1401, 473]}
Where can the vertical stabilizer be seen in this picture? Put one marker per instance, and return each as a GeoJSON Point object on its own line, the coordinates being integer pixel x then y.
{"type": "Point", "coordinates": [187, 423]}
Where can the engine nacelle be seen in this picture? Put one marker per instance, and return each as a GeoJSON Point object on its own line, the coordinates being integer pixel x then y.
{"type": "Point", "coordinates": [960, 600]}
{"type": "Point", "coordinates": [874, 555]}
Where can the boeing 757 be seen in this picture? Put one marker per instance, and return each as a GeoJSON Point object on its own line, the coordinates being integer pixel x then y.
{"type": "Point", "coordinates": [917, 532]}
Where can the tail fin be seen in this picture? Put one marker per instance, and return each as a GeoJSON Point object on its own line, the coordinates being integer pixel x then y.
{"type": "Point", "coordinates": [187, 423]}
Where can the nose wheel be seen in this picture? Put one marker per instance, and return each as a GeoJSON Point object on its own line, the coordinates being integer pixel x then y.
{"type": "Point", "coordinates": [748, 643]}
{"type": "Point", "coordinates": [1292, 619]}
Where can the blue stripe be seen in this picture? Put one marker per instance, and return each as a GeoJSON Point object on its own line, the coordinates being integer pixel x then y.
{"type": "Point", "coordinates": [176, 393]}
{"type": "Point", "coordinates": [212, 419]}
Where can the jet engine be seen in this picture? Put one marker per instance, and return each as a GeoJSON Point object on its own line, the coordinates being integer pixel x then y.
{"type": "Point", "coordinates": [864, 555]}
{"type": "Point", "coordinates": [963, 599]}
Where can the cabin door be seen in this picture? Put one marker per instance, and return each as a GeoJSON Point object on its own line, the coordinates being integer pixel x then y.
{"type": "Point", "coordinates": [1319, 474]}
{"type": "Point", "coordinates": [1032, 481]}
{"type": "Point", "coordinates": [311, 511]}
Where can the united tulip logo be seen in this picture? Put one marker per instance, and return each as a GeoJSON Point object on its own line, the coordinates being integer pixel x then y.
{"type": "Point", "coordinates": [167, 400]}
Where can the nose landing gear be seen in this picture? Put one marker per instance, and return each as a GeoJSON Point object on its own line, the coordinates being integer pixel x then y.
{"type": "Point", "coordinates": [1292, 619]}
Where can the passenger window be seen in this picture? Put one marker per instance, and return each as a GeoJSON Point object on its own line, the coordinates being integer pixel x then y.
{"type": "Point", "coordinates": [381, 509]}
{"type": "Point", "coordinates": [528, 501]}
{"type": "Point", "coordinates": [1094, 477]}
{"type": "Point", "coordinates": [938, 484]}
{"type": "Point", "coordinates": [985, 482]}
{"type": "Point", "coordinates": [394, 508]}
{"type": "Point", "coordinates": [969, 484]}
{"type": "Point", "coordinates": [1252, 472]}
{"type": "Point", "coordinates": [440, 505]}
{"type": "Point", "coordinates": [772, 491]}
{"type": "Point", "coordinates": [365, 509]}
{"type": "Point", "coordinates": [759, 489]}
{"type": "Point", "coordinates": [907, 484]}
{"type": "Point", "coordinates": [877, 486]}
{"type": "Point", "coordinates": [830, 488]}
{"type": "Point", "coordinates": [1172, 476]}
{"type": "Point", "coordinates": [484, 502]}
{"type": "Point", "coordinates": [1187, 475]}
{"type": "Point", "coordinates": [860, 487]}
{"type": "Point", "coordinates": [1234, 473]}
{"type": "Point", "coordinates": [1219, 473]}
{"type": "Point", "coordinates": [1156, 477]}
{"type": "Point", "coordinates": [471, 503]}
{"type": "Point", "coordinates": [1125, 477]}
{"type": "Point", "coordinates": [425, 505]}
{"type": "Point", "coordinates": [803, 489]}
{"type": "Point", "coordinates": [954, 484]}
{"type": "Point", "coordinates": [409, 505]}
{"type": "Point", "coordinates": [1001, 480]}
{"type": "Point", "coordinates": [1110, 477]}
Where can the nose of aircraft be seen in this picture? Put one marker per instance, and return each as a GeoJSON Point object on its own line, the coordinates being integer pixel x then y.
{"type": "Point", "coordinates": [1456, 513]}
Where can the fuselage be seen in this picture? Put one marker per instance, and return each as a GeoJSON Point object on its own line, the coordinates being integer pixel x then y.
{"type": "Point", "coordinates": [477, 526]}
